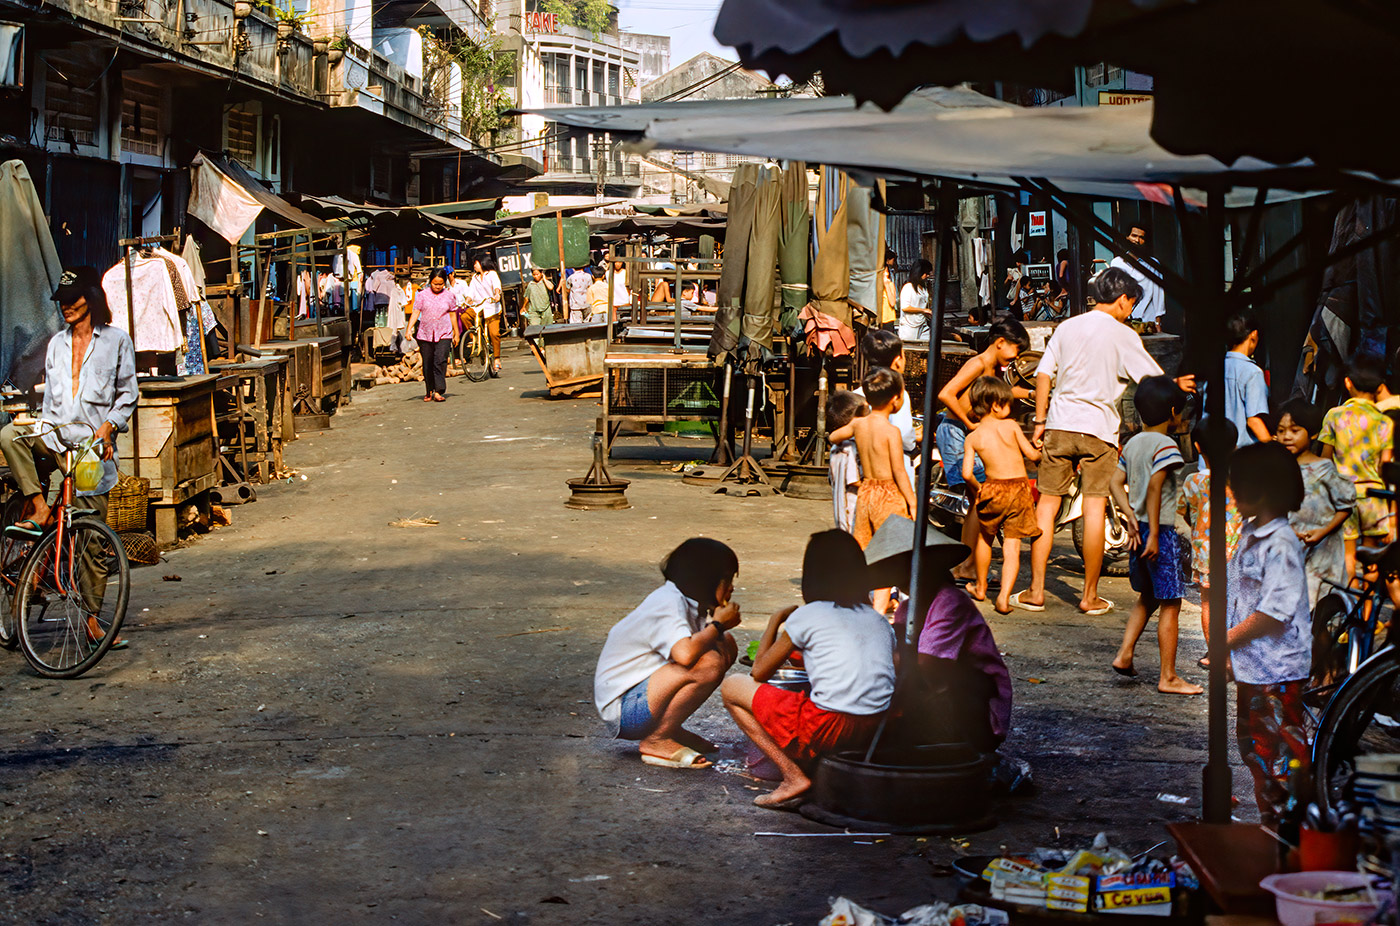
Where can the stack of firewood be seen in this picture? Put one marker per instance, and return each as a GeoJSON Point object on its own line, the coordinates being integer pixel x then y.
{"type": "Point", "coordinates": [410, 370]}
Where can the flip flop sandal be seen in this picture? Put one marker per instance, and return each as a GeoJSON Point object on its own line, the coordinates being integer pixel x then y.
{"type": "Point", "coordinates": [685, 757]}
{"type": "Point", "coordinates": [791, 805]}
{"type": "Point", "coordinates": [1126, 673]}
{"type": "Point", "coordinates": [1016, 602]}
{"type": "Point", "coordinates": [18, 528]}
{"type": "Point", "coordinates": [1095, 612]}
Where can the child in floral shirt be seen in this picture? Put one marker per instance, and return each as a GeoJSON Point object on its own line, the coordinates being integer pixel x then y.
{"type": "Point", "coordinates": [1356, 436]}
{"type": "Point", "coordinates": [1193, 505]}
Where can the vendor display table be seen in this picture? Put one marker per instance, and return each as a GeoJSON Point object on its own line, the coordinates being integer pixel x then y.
{"type": "Point", "coordinates": [1230, 859]}
{"type": "Point", "coordinates": [178, 453]}
{"type": "Point", "coordinates": [655, 384]}
{"type": "Point", "coordinates": [254, 417]}
{"type": "Point", "coordinates": [317, 377]}
{"type": "Point", "coordinates": [570, 355]}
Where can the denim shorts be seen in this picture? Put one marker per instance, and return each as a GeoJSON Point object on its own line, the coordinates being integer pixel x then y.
{"type": "Point", "coordinates": [637, 721]}
{"type": "Point", "coordinates": [951, 436]}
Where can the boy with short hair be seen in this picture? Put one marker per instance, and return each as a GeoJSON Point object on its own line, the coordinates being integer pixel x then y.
{"type": "Point", "coordinates": [1004, 500]}
{"type": "Point", "coordinates": [1356, 435]}
{"type": "Point", "coordinates": [1150, 464]}
{"type": "Point", "coordinates": [844, 471]}
{"type": "Point", "coordinates": [1246, 392]}
{"type": "Point", "coordinates": [598, 296]}
{"type": "Point", "coordinates": [884, 488]}
{"type": "Point", "coordinates": [1006, 339]}
{"type": "Point", "coordinates": [884, 349]}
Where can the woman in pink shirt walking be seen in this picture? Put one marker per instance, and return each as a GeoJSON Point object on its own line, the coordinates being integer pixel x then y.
{"type": "Point", "coordinates": [434, 309]}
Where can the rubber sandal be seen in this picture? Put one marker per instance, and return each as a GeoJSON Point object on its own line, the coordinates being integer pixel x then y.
{"type": "Point", "coordinates": [34, 530]}
{"type": "Point", "coordinates": [1016, 602]}
{"type": "Point", "coordinates": [1126, 673]}
{"type": "Point", "coordinates": [791, 805]}
{"type": "Point", "coordinates": [1095, 612]}
{"type": "Point", "coordinates": [685, 757]}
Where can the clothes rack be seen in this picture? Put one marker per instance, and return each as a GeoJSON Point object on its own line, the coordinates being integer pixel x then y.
{"type": "Point", "coordinates": [126, 244]}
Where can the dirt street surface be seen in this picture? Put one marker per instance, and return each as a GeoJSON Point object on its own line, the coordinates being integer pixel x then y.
{"type": "Point", "coordinates": [327, 719]}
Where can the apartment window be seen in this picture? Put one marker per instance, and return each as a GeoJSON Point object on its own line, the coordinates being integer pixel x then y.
{"type": "Point", "coordinates": [241, 136]}
{"type": "Point", "coordinates": [614, 80]}
{"type": "Point", "coordinates": [1094, 75]}
{"type": "Point", "coordinates": [143, 106]}
{"type": "Point", "coordinates": [73, 96]}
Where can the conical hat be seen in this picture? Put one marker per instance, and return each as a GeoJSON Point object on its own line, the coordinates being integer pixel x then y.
{"type": "Point", "coordinates": [891, 551]}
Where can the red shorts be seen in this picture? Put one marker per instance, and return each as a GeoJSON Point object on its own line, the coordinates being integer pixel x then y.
{"type": "Point", "coordinates": [805, 731]}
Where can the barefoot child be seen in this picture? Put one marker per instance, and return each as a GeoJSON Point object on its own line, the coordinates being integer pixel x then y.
{"type": "Point", "coordinates": [1004, 500]}
{"type": "Point", "coordinates": [1356, 436]}
{"type": "Point", "coordinates": [1328, 500]}
{"type": "Point", "coordinates": [1151, 464]}
{"type": "Point", "coordinates": [1006, 339]}
{"type": "Point", "coordinates": [848, 651]}
{"type": "Point", "coordinates": [664, 659]}
{"type": "Point", "coordinates": [1270, 631]}
{"type": "Point", "coordinates": [884, 484]}
{"type": "Point", "coordinates": [1193, 505]}
{"type": "Point", "coordinates": [844, 470]}
{"type": "Point", "coordinates": [885, 487]}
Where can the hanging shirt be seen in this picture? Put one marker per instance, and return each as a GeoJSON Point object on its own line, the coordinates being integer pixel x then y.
{"type": "Point", "coordinates": [107, 390]}
{"type": "Point", "coordinates": [156, 305]}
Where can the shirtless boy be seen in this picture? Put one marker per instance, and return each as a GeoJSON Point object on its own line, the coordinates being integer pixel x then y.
{"type": "Point", "coordinates": [1005, 341]}
{"type": "Point", "coordinates": [1004, 500]}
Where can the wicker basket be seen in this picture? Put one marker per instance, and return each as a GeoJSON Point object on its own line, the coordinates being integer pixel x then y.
{"type": "Point", "coordinates": [140, 546]}
{"type": "Point", "coordinates": [127, 503]}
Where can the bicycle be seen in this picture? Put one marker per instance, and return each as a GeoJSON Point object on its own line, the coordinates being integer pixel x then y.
{"type": "Point", "coordinates": [474, 349]}
{"type": "Point", "coordinates": [61, 608]}
{"type": "Point", "coordinates": [1363, 713]}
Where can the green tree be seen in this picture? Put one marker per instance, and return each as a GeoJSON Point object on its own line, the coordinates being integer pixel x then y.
{"type": "Point", "coordinates": [593, 15]}
{"type": "Point", "coordinates": [486, 68]}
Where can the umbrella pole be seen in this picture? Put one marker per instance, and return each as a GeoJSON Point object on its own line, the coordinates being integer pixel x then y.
{"type": "Point", "coordinates": [723, 455]}
{"type": "Point", "coordinates": [819, 444]}
{"type": "Point", "coordinates": [919, 599]}
{"type": "Point", "coordinates": [1217, 782]}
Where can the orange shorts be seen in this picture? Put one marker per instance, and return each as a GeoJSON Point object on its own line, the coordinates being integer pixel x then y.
{"type": "Point", "coordinates": [1009, 505]}
{"type": "Point", "coordinates": [876, 499]}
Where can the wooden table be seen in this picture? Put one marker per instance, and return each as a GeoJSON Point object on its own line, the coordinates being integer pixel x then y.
{"type": "Point", "coordinates": [253, 420]}
{"type": "Point", "coordinates": [317, 377]}
{"type": "Point", "coordinates": [1230, 859]}
{"type": "Point", "coordinates": [178, 450]}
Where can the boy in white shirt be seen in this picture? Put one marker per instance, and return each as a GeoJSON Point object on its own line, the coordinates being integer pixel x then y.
{"type": "Point", "coordinates": [844, 471]}
{"type": "Point", "coordinates": [1091, 358]}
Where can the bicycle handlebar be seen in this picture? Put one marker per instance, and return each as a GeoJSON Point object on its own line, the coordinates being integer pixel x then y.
{"type": "Point", "coordinates": [57, 431]}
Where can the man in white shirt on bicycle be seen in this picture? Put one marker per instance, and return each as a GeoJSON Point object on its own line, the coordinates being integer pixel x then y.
{"type": "Point", "coordinates": [90, 377]}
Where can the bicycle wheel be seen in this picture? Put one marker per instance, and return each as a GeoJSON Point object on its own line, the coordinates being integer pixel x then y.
{"type": "Point", "coordinates": [12, 554]}
{"type": "Point", "coordinates": [72, 598]}
{"type": "Point", "coordinates": [1358, 720]}
{"type": "Point", "coordinates": [475, 350]}
{"type": "Point", "coordinates": [1330, 640]}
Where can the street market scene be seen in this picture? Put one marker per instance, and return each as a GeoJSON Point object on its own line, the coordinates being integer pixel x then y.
{"type": "Point", "coordinates": [743, 461]}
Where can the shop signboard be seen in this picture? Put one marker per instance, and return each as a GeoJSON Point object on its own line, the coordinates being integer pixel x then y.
{"type": "Point", "coordinates": [509, 260]}
{"type": "Point", "coordinates": [1036, 225]}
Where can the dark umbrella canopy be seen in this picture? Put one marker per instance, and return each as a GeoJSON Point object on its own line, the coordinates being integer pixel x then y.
{"type": "Point", "coordinates": [1270, 90]}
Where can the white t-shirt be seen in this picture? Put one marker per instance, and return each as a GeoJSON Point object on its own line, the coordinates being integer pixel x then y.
{"type": "Point", "coordinates": [913, 326]}
{"type": "Point", "coordinates": [1092, 358]}
{"type": "Point", "coordinates": [1151, 306]}
{"type": "Point", "coordinates": [848, 654]}
{"type": "Point", "coordinates": [620, 295]}
{"type": "Point", "coordinates": [641, 643]}
{"type": "Point", "coordinates": [490, 291]}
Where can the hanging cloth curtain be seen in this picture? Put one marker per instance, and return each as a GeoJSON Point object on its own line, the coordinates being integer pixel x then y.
{"type": "Point", "coordinates": [793, 243]}
{"type": "Point", "coordinates": [756, 333]}
{"type": "Point", "coordinates": [29, 273]}
{"type": "Point", "coordinates": [724, 338]}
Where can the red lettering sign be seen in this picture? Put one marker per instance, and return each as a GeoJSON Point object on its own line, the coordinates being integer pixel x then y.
{"type": "Point", "coordinates": [542, 22]}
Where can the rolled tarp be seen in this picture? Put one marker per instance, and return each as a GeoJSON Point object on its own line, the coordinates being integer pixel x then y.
{"type": "Point", "coordinates": [756, 331]}
{"type": "Point", "coordinates": [729, 295]}
{"type": "Point", "coordinates": [793, 247]}
{"type": "Point", "coordinates": [29, 273]}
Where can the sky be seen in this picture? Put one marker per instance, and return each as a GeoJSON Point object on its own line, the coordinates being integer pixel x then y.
{"type": "Point", "coordinates": [689, 23]}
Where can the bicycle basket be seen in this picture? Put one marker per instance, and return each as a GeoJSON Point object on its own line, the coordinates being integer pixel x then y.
{"type": "Point", "coordinates": [127, 503]}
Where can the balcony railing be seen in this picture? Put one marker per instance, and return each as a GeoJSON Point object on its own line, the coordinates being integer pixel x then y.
{"type": "Point", "coordinates": [558, 95]}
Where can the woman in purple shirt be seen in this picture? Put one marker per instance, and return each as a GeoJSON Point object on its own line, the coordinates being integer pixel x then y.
{"type": "Point", "coordinates": [434, 309]}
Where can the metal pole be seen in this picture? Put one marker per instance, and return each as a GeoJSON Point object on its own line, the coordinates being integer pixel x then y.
{"type": "Point", "coordinates": [676, 294]}
{"type": "Point", "coordinates": [131, 329]}
{"type": "Point", "coordinates": [314, 296]}
{"type": "Point", "coordinates": [1217, 783]}
{"type": "Point", "coordinates": [919, 597]}
{"type": "Point", "coordinates": [722, 455]}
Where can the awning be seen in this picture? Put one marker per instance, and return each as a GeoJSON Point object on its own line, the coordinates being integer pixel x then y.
{"type": "Point", "coordinates": [525, 218]}
{"type": "Point", "coordinates": [224, 196]}
{"type": "Point", "coordinates": [956, 133]}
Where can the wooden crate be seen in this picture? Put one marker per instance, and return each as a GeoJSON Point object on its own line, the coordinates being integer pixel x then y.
{"type": "Point", "coordinates": [174, 431]}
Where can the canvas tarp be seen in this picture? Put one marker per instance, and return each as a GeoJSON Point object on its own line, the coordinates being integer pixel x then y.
{"type": "Point", "coordinates": [760, 274]}
{"type": "Point", "coordinates": [224, 196]}
{"type": "Point", "coordinates": [793, 246]}
{"type": "Point", "coordinates": [955, 133]}
{"type": "Point", "coordinates": [724, 338]}
{"type": "Point", "coordinates": [29, 272]}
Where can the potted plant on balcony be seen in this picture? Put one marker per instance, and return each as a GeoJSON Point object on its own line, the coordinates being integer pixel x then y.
{"type": "Point", "coordinates": [336, 50]}
{"type": "Point", "coordinates": [289, 19]}
{"type": "Point", "coordinates": [242, 9]}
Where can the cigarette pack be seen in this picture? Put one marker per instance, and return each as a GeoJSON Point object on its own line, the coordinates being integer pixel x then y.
{"type": "Point", "coordinates": [1073, 906]}
{"type": "Point", "coordinates": [1142, 901]}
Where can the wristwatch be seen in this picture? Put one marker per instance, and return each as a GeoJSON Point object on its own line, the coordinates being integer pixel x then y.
{"type": "Point", "coordinates": [718, 626]}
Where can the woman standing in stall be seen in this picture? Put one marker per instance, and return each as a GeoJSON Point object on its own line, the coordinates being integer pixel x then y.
{"type": "Point", "coordinates": [435, 311]}
{"type": "Point", "coordinates": [914, 313]}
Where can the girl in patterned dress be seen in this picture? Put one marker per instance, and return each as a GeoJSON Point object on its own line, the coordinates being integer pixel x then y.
{"type": "Point", "coordinates": [1328, 500]}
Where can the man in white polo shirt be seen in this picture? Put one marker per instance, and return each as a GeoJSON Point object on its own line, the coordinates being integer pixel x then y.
{"type": "Point", "coordinates": [1091, 358]}
{"type": "Point", "coordinates": [1150, 307]}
